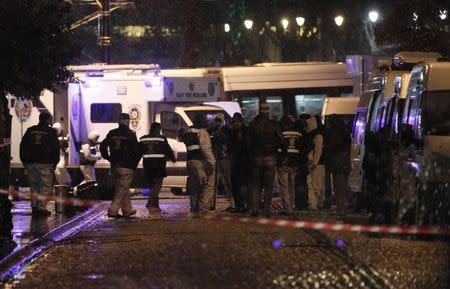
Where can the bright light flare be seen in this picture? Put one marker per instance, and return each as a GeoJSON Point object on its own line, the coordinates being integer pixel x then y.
{"type": "Point", "coordinates": [373, 16]}
{"type": "Point", "coordinates": [285, 23]}
{"type": "Point", "coordinates": [248, 24]}
{"type": "Point", "coordinates": [339, 20]}
{"type": "Point", "coordinates": [300, 21]}
{"type": "Point", "coordinates": [443, 14]}
{"type": "Point", "coordinates": [227, 27]}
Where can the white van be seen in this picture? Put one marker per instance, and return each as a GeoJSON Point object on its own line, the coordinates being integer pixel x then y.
{"type": "Point", "coordinates": [101, 92]}
{"type": "Point", "coordinates": [423, 158]}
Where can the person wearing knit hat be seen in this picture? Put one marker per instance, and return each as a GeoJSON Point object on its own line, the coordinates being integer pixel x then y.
{"type": "Point", "coordinates": [264, 108]}
{"type": "Point", "coordinates": [239, 161]}
{"type": "Point", "coordinates": [264, 142]}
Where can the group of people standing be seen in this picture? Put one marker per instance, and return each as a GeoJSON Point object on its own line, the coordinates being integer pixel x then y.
{"type": "Point", "coordinates": [240, 160]}
{"type": "Point", "coordinates": [244, 162]}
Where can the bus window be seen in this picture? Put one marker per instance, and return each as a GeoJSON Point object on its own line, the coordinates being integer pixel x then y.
{"type": "Point", "coordinates": [310, 104]}
{"type": "Point", "coordinates": [276, 107]}
{"type": "Point", "coordinates": [250, 108]}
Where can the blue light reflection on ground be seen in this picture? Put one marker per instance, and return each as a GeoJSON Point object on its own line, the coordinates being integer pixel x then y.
{"type": "Point", "coordinates": [277, 243]}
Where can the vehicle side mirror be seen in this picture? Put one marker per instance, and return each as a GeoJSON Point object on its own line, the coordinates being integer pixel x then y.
{"type": "Point", "coordinates": [181, 131]}
{"type": "Point", "coordinates": [406, 134]}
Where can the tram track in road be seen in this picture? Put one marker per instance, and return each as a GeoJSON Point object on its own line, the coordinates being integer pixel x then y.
{"type": "Point", "coordinates": [17, 261]}
{"type": "Point", "coordinates": [358, 270]}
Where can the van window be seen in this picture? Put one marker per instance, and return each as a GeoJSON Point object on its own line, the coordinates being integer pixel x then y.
{"type": "Point", "coordinates": [358, 126]}
{"type": "Point", "coordinates": [436, 117]}
{"type": "Point", "coordinates": [170, 123]}
{"type": "Point", "coordinates": [276, 106]}
{"type": "Point", "coordinates": [105, 112]}
{"type": "Point", "coordinates": [209, 116]}
{"type": "Point", "coordinates": [380, 120]}
{"type": "Point", "coordinates": [413, 113]}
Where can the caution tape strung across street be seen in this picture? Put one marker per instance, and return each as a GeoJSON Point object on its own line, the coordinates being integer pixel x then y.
{"type": "Point", "coordinates": [322, 226]}
{"type": "Point", "coordinates": [47, 198]}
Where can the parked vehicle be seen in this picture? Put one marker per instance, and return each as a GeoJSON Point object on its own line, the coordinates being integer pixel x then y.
{"type": "Point", "coordinates": [423, 187]}
{"type": "Point", "coordinates": [372, 113]}
{"type": "Point", "coordinates": [101, 92]}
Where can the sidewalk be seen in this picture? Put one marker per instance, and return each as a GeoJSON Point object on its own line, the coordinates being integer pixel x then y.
{"type": "Point", "coordinates": [33, 235]}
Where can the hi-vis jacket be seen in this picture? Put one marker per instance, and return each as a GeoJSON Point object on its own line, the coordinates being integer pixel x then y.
{"type": "Point", "coordinates": [155, 151]}
{"type": "Point", "coordinates": [88, 154]}
{"type": "Point", "coordinates": [198, 145]}
{"type": "Point", "coordinates": [292, 140]}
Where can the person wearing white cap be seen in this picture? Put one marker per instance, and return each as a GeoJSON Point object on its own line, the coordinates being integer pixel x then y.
{"type": "Point", "coordinates": [62, 176]}
{"type": "Point", "coordinates": [89, 155]}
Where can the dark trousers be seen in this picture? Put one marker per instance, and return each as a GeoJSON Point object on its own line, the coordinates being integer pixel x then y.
{"type": "Point", "coordinates": [329, 199]}
{"type": "Point", "coordinates": [239, 183]}
{"type": "Point", "coordinates": [262, 174]}
{"type": "Point", "coordinates": [301, 189]}
{"type": "Point", "coordinates": [155, 185]}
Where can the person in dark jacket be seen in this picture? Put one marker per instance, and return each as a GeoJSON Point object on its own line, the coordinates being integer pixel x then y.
{"type": "Point", "coordinates": [39, 153]}
{"type": "Point", "coordinates": [239, 162]}
{"type": "Point", "coordinates": [339, 146]}
{"type": "Point", "coordinates": [155, 152]}
{"type": "Point", "coordinates": [287, 167]}
{"type": "Point", "coordinates": [121, 149]}
{"type": "Point", "coordinates": [306, 146]}
{"type": "Point", "coordinates": [220, 141]}
{"type": "Point", "coordinates": [263, 141]}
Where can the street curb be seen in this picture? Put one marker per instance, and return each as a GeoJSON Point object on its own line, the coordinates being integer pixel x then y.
{"type": "Point", "coordinates": [16, 261]}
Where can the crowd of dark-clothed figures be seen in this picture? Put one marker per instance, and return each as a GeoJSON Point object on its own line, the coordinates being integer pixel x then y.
{"type": "Point", "coordinates": [300, 153]}
{"type": "Point", "coordinates": [241, 162]}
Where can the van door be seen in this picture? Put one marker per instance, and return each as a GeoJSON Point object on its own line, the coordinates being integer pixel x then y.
{"type": "Point", "coordinates": [74, 97]}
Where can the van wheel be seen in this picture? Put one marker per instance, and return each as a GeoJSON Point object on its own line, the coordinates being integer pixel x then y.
{"type": "Point", "coordinates": [177, 191]}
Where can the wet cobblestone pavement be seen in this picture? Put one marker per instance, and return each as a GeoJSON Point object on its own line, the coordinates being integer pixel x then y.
{"type": "Point", "coordinates": [175, 250]}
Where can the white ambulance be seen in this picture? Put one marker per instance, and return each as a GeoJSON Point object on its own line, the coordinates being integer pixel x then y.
{"type": "Point", "coordinates": [99, 93]}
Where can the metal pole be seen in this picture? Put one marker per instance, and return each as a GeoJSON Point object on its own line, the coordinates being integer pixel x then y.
{"type": "Point", "coordinates": [104, 35]}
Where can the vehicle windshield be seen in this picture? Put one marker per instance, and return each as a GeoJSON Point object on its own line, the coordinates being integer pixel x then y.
{"type": "Point", "coordinates": [436, 116]}
{"type": "Point", "coordinates": [209, 116]}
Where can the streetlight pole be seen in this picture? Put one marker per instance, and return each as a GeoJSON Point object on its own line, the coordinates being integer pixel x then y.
{"type": "Point", "coordinates": [104, 34]}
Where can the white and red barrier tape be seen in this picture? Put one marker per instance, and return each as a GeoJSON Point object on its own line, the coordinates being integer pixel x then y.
{"type": "Point", "coordinates": [322, 226]}
{"type": "Point", "coordinates": [47, 198]}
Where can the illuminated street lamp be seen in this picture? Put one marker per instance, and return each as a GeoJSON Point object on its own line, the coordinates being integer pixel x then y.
{"type": "Point", "coordinates": [285, 23]}
{"type": "Point", "coordinates": [373, 16]}
{"type": "Point", "coordinates": [300, 21]}
{"type": "Point", "coordinates": [226, 27]}
{"type": "Point", "coordinates": [443, 14]}
{"type": "Point", "coordinates": [248, 24]}
{"type": "Point", "coordinates": [339, 20]}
